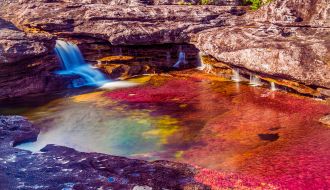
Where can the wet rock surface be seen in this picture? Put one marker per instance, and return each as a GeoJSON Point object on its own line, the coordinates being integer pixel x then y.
{"type": "Point", "coordinates": [126, 61]}
{"type": "Point", "coordinates": [57, 167]}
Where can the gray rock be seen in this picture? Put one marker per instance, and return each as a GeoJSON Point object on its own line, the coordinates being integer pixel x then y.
{"type": "Point", "coordinates": [58, 167]}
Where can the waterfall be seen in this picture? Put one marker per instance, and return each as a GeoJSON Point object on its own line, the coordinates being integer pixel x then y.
{"type": "Point", "coordinates": [168, 58]}
{"type": "Point", "coordinates": [200, 63]}
{"type": "Point", "coordinates": [181, 60]}
{"type": "Point", "coordinates": [74, 64]}
{"type": "Point", "coordinates": [255, 80]}
{"type": "Point", "coordinates": [236, 77]}
{"type": "Point", "coordinates": [272, 86]}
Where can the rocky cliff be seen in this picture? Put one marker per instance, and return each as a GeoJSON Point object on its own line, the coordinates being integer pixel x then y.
{"type": "Point", "coordinates": [286, 39]}
{"type": "Point", "coordinates": [26, 62]}
{"type": "Point", "coordinates": [118, 24]}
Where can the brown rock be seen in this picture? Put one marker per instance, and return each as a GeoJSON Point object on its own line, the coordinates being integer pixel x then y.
{"type": "Point", "coordinates": [119, 24]}
{"type": "Point", "coordinates": [325, 120]}
{"type": "Point", "coordinates": [16, 45]}
{"type": "Point", "coordinates": [277, 44]}
{"type": "Point", "coordinates": [26, 62]}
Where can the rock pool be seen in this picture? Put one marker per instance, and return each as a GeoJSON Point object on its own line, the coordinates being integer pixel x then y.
{"type": "Point", "coordinates": [219, 125]}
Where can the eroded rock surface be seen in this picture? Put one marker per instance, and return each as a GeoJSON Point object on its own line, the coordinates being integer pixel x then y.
{"type": "Point", "coordinates": [286, 39]}
{"type": "Point", "coordinates": [26, 62]}
{"type": "Point", "coordinates": [57, 167]}
{"type": "Point", "coordinates": [16, 45]}
{"type": "Point", "coordinates": [119, 24]}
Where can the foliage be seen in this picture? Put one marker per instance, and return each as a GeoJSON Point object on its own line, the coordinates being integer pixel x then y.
{"type": "Point", "coordinates": [256, 4]}
{"type": "Point", "coordinates": [206, 2]}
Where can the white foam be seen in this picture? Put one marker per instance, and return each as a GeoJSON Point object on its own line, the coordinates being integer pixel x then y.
{"type": "Point", "coordinates": [118, 84]}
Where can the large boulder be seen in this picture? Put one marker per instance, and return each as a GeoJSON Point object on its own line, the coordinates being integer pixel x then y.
{"type": "Point", "coordinates": [286, 39]}
{"type": "Point", "coordinates": [26, 62]}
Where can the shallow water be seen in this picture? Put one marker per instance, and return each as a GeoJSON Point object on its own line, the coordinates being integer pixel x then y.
{"type": "Point", "coordinates": [229, 127]}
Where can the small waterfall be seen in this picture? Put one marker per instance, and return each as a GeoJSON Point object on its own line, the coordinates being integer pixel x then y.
{"type": "Point", "coordinates": [181, 60]}
{"type": "Point", "coordinates": [236, 77]}
{"type": "Point", "coordinates": [200, 63]}
{"type": "Point", "coordinates": [74, 64]}
{"type": "Point", "coordinates": [255, 80]}
{"type": "Point", "coordinates": [273, 86]}
{"type": "Point", "coordinates": [202, 66]}
{"type": "Point", "coordinates": [168, 58]}
{"type": "Point", "coordinates": [117, 50]}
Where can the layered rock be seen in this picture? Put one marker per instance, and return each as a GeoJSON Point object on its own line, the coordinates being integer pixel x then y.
{"type": "Point", "coordinates": [286, 39]}
{"type": "Point", "coordinates": [119, 24]}
{"type": "Point", "coordinates": [26, 62]}
{"type": "Point", "coordinates": [58, 167]}
{"type": "Point", "coordinates": [16, 45]}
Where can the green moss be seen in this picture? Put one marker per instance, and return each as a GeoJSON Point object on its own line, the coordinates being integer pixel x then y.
{"type": "Point", "coordinates": [204, 2]}
{"type": "Point", "coordinates": [256, 4]}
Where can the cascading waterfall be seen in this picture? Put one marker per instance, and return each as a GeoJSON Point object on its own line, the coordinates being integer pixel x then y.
{"type": "Point", "coordinates": [74, 64]}
{"type": "Point", "coordinates": [181, 60]}
{"type": "Point", "coordinates": [255, 80]}
{"type": "Point", "coordinates": [273, 86]}
{"type": "Point", "coordinates": [236, 76]}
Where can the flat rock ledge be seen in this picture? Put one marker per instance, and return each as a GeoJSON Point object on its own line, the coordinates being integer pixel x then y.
{"type": "Point", "coordinates": [57, 167]}
{"type": "Point", "coordinates": [285, 39]}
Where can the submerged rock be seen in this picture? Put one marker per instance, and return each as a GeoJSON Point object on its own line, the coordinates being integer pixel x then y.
{"type": "Point", "coordinates": [325, 120]}
{"type": "Point", "coordinates": [269, 137]}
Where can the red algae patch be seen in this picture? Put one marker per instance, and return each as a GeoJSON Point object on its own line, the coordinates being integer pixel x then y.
{"type": "Point", "coordinates": [238, 136]}
{"type": "Point", "coordinates": [219, 180]}
{"type": "Point", "coordinates": [169, 90]}
{"type": "Point", "coordinates": [273, 139]}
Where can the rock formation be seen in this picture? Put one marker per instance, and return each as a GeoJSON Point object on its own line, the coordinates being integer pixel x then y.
{"type": "Point", "coordinates": [57, 167]}
{"type": "Point", "coordinates": [26, 62]}
{"type": "Point", "coordinates": [118, 24]}
{"type": "Point", "coordinates": [285, 39]}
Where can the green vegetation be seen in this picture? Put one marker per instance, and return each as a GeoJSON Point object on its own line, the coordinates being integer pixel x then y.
{"type": "Point", "coordinates": [206, 2]}
{"type": "Point", "coordinates": [256, 4]}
